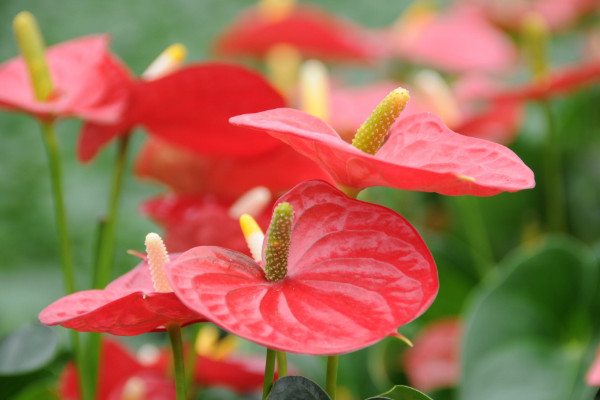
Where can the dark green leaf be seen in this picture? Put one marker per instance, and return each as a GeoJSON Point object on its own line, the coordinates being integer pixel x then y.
{"type": "Point", "coordinates": [297, 388]}
{"type": "Point", "coordinates": [401, 393]}
{"type": "Point", "coordinates": [27, 349]}
{"type": "Point", "coordinates": [529, 336]}
{"type": "Point", "coordinates": [38, 391]}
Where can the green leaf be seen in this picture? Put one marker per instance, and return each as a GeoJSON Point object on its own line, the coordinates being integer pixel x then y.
{"type": "Point", "coordinates": [27, 349]}
{"type": "Point", "coordinates": [401, 393]}
{"type": "Point", "coordinates": [529, 335]}
{"type": "Point", "coordinates": [297, 388]}
{"type": "Point", "coordinates": [38, 391]}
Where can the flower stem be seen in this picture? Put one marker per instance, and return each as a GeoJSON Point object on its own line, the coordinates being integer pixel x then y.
{"type": "Point", "coordinates": [281, 364]}
{"type": "Point", "coordinates": [476, 234]}
{"type": "Point", "coordinates": [331, 379]}
{"type": "Point", "coordinates": [174, 331]}
{"type": "Point", "coordinates": [269, 373]}
{"type": "Point", "coordinates": [555, 193]}
{"type": "Point", "coordinates": [107, 233]}
{"type": "Point", "coordinates": [54, 165]}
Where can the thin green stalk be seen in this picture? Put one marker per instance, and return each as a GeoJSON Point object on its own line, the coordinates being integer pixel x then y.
{"type": "Point", "coordinates": [54, 165]}
{"type": "Point", "coordinates": [331, 379]}
{"type": "Point", "coordinates": [174, 331]}
{"type": "Point", "coordinates": [107, 238]}
{"type": "Point", "coordinates": [476, 233]}
{"type": "Point", "coordinates": [555, 192]}
{"type": "Point", "coordinates": [269, 372]}
{"type": "Point", "coordinates": [281, 364]}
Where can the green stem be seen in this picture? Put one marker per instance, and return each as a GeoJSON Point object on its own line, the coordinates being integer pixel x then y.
{"type": "Point", "coordinates": [331, 379]}
{"type": "Point", "coordinates": [54, 165]}
{"type": "Point", "coordinates": [107, 238]}
{"type": "Point", "coordinates": [555, 193]}
{"type": "Point", "coordinates": [476, 234]}
{"type": "Point", "coordinates": [269, 373]}
{"type": "Point", "coordinates": [174, 331]}
{"type": "Point", "coordinates": [281, 364]}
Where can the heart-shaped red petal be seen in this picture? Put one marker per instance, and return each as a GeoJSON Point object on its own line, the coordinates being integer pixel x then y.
{"type": "Point", "coordinates": [356, 272]}
{"type": "Point", "coordinates": [421, 153]}
{"type": "Point", "coordinates": [128, 306]}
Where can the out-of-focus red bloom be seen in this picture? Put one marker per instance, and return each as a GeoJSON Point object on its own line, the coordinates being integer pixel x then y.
{"type": "Point", "coordinates": [355, 273]}
{"type": "Point", "coordinates": [190, 108]}
{"type": "Point", "coordinates": [592, 377]}
{"type": "Point", "coordinates": [558, 14]}
{"type": "Point", "coordinates": [558, 82]}
{"type": "Point", "coordinates": [313, 32]}
{"type": "Point", "coordinates": [199, 221]}
{"type": "Point", "coordinates": [119, 368]}
{"type": "Point", "coordinates": [458, 40]}
{"type": "Point", "coordinates": [127, 306]}
{"type": "Point", "coordinates": [434, 361]}
{"type": "Point", "coordinates": [223, 177]}
{"type": "Point", "coordinates": [420, 153]}
{"type": "Point", "coordinates": [89, 82]}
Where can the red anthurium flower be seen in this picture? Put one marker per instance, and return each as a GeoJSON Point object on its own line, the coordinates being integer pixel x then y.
{"type": "Point", "coordinates": [128, 306]}
{"type": "Point", "coordinates": [434, 361]}
{"type": "Point", "coordinates": [199, 221]}
{"type": "Point", "coordinates": [89, 82]}
{"type": "Point", "coordinates": [225, 178]}
{"type": "Point", "coordinates": [354, 272]}
{"type": "Point", "coordinates": [420, 153]}
{"type": "Point", "coordinates": [558, 13]}
{"type": "Point", "coordinates": [558, 82]}
{"type": "Point", "coordinates": [436, 39]}
{"type": "Point", "coordinates": [190, 108]}
{"type": "Point", "coordinates": [118, 370]}
{"type": "Point", "coordinates": [315, 33]}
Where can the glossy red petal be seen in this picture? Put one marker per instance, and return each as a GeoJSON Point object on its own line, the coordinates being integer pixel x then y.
{"type": "Point", "coordinates": [464, 31]}
{"type": "Point", "coordinates": [89, 82]}
{"type": "Point", "coordinates": [356, 272]}
{"type": "Point", "coordinates": [191, 107]}
{"type": "Point", "coordinates": [421, 153]}
{"type": "Point", "coordinates": [226, 178]}
{"type": "Point", "coordinates": [205, 221]}
{"type": "Point", "coordinates": [313, 32]}
{"type": "Point", "coordinates": [434, 361]}
{"type": "Point", "coordinates": [128, 306]}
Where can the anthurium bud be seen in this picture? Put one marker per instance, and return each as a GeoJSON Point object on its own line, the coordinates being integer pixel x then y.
{"type": "Point", "coordinates": [31, 44]}
{"type": "Point", "coordinates": [276, 10]}
{"type": "Point", "coordinates": [278, 243]}
{"type": "Point", "coordinates": [314, 89]}
{"type": "Point", "coordinates": [157, 258]}
{"type": "Point", "coordinates": [373, 131]}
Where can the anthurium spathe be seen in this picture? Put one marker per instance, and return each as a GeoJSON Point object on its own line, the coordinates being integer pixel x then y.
{"type": "Point", "coordinates": [312, 31]}
{"type": "Point", "coordinates": [190, 108]}
{"type": "Point", "coordinates": [130, 305]}
{"type": "Point", "coordinates": [352, 274]}
{"type": "Point", "coordinates": [420, 153]}
{"type": "Point", "coordinates": [88, 82]}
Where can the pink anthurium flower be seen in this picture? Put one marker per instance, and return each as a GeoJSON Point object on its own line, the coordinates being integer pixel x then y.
{"type": "Point", "coordinates": [434, 360]}
{"type": "Point", "coordinates": [190, 108]}
{"type": "Point", "coordinates": [420, 153]}
{"type": "Point", "coordinates": [434, 39]}
{"type": "Point", "coordinates": [130, 305]}
{"type": "Point", "coordinates": [312, 31]}
{"type": "Point", "coordinates": [353, 273]}
{"type": "Point", "coordinates": [592, 377]}
{"type": "Point", "coordinates": [89, 82]}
